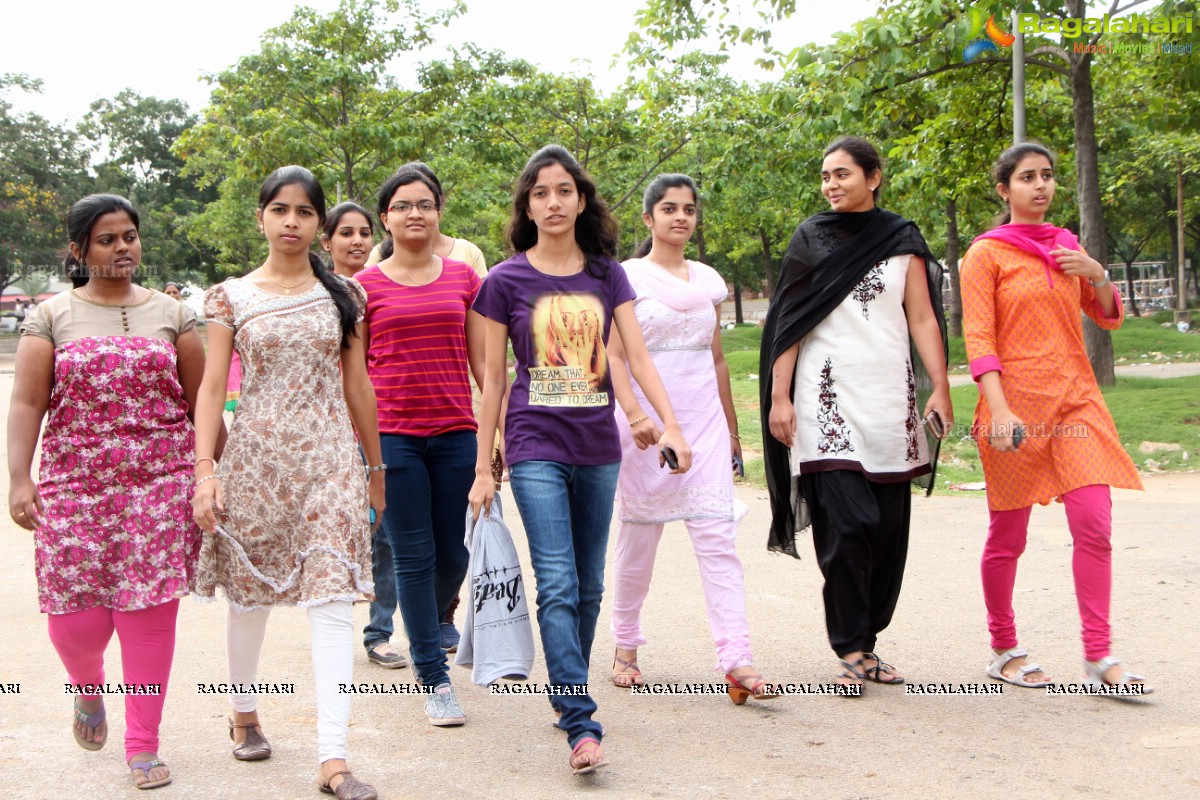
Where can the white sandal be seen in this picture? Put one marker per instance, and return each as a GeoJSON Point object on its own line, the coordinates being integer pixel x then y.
{"type": "Point", "coordinates": [1095, 673]}
{"type": "Point", "coordinates": [995, 670]}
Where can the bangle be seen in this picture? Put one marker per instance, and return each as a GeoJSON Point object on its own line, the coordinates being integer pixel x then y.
{"type": "Point", "coordinates": [207, 478]}
{"type": "Point", "coordinates": [638, 421]}
{"type": "Point", "coordinates": [376, 468]}
{"type": "Point", "coordinates": [735, 436]}
{"type": "Point", "coordinates": [212, 461]}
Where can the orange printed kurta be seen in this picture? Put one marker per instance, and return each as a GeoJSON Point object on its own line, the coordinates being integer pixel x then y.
{"type": "Point", "coordinates": [1022, 318]}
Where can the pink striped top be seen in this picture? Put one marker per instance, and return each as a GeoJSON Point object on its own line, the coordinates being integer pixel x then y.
{"type": "Point", "coordinates": [417, 350]}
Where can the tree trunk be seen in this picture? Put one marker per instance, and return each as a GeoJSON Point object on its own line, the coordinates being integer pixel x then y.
{"type": "Point", "coordinates": [738, 317]}
{"type": "Point", "coordinates": [956, 310]}
{"type": "Point", "coordinates": [768, 267]}
{"type": "Point", "coordinates": [1091, 213]}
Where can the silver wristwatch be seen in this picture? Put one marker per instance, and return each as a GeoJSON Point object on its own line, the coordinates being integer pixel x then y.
{"type": "Point", "coordinates": [1104, 282]}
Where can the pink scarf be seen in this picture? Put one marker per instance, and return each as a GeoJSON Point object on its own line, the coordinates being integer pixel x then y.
{"type": "Point", "coordinates": [704, 287]}
{"type": "Point", "coordinates": [1036, 240]}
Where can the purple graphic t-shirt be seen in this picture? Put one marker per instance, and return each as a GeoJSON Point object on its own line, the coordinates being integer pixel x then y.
{"type": "Point", "coordinates": [561, 407]}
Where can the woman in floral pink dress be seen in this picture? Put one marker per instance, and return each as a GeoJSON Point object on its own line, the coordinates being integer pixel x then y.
{"type": "Point", "coordinates": [117, 368]}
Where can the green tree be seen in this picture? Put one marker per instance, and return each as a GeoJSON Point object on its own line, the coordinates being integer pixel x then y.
{"type": "Point", "coordinates": [42, 171]}
{"type": "Point", "coordinates": [318, 93]}
{"type": "Point", "coordinates": [137, 135]}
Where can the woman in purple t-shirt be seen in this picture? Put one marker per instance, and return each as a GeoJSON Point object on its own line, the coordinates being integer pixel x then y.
{"type": "Point", "coordinates": [557, 299]}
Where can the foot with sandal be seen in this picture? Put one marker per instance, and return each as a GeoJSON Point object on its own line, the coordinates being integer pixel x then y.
{"type": "Point", "coordinates": [1013, 666]}
{"type": "Point", "coordinates": [744, 683]}
{"type": "Point", "coordinates": [249, 744]}
{"type": "Point", "coordinates": [625, 669]}
{"type": "Point", "coordinates": [148, 771]}
{"type": "Point", "coordinates": [859, 667]}
{"type": "Point", "coordinates": [336, 779]}
{"type": "Point", "coordinates": [587, 756]}
{"type": "Point", "coordinates": [88, 723]}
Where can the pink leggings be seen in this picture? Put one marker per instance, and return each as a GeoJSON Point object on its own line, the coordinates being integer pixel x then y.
{"type": "Point", "coordinates": [147, 645]}
{"type": "Point", "coordinates": [713, 541]}
{"type": "Point", "coordinates": [1089, 516]}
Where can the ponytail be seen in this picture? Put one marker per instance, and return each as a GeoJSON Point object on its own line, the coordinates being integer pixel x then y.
{"type": "Point", "coordinates": [342, 296]}
{"type": "Point", "coordinates": [643, 248]}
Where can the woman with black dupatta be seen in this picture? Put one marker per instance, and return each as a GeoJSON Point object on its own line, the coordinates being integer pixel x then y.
{"type": "Point", "coordinates": [858, 292]}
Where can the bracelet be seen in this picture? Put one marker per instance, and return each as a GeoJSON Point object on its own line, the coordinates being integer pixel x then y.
{"type": "Point", "coordinates": [207, 478]}
{"type": "Point", "coordinates": [735, 436]}
{"type": "Point", "coordinates": [376, 468]}
{"type": "Point", "coordinates": [212, 461]}
{"type": "Point", "coordinates": [638, 421]}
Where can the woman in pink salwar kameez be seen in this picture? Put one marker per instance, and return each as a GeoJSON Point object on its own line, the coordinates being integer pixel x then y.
{"type": "Point", "coordinates": [676, 305]}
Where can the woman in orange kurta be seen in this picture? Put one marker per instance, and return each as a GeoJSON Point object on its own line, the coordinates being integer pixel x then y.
{"type": "Point", "coordinates": [1041, 423]}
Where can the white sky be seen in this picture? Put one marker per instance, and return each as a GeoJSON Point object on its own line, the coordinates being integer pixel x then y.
{"type": "Point", "coordinates": [84, 51]}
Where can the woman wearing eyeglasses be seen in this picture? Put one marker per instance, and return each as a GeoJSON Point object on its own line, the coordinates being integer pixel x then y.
{"type": "Point", "coordinates": [421, 336]}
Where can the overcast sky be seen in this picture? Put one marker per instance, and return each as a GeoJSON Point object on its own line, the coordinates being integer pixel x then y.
{"type": "Point", "coordinates": [84, 51]}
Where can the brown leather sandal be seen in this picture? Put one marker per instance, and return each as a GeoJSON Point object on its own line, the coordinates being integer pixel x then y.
{"type": "Point", "coordinates": [351, 788]}
{"type": "Point", "coordinates": [255, 748]}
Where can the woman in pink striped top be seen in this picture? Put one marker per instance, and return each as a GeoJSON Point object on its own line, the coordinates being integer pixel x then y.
{"type": "Point", "coordinates": [421, 336]}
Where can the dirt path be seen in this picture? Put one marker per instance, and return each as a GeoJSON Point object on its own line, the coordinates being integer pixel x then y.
{"type": "Point", "coordinates": [1021, 744]}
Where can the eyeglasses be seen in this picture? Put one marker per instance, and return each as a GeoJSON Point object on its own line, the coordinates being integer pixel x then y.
{"type": "Point", "coordinates": [403, 207]}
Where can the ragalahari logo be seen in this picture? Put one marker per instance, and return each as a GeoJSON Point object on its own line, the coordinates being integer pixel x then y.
{"type": "Point", "coordinates": [980, 43]}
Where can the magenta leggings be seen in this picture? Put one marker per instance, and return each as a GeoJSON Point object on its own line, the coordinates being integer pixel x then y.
{"type": "Point", "coordinates": [1089, 516]}
{"type": "Point", "coordinates": [147, 645]}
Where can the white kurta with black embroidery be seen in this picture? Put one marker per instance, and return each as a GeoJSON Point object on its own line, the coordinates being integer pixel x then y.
{"type": "Point", "coordinates": [854, 390]}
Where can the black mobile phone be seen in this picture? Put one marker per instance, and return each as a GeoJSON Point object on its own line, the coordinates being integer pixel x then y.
{"type": "Point", "coordinates": [1018, 435]}
{"type": "Point", "coordinates": [668, 454]}
{"type": "Point", "coordinates": [739, 466]}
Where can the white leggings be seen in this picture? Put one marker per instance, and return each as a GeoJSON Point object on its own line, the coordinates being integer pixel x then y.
{"type": "Point", "coordinates": [333, 634]}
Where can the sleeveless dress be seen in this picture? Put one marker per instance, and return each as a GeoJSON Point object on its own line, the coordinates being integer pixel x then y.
{"type": "Point", "coordinates": [117, 455]}
{"type": "Point", "coordinates": [295, 530]}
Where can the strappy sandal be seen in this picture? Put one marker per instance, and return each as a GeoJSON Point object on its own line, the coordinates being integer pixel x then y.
{"type": "Point", "coordinates": [626, 679]}
{"type": "Point", "coordinates": [850, 678]}
{"type": "Point", "coordinates": [255, 747]}
{"type": "Point", "coordinates": [996, 670]}
{"type": "Point", "coordinates": [93, 720]}
{"type": "Point", "coordinates": [758, 688]}
{"type": "Point", "coordinates": [145, 767]}
{"type": "Point", "coordinates": [1095, 672]}
{"type": "Point", "coordinates": [881, 668]}
{"type": "Point", "coordinates": [351, 788]}
{"type": "Point", "coordinates": [587, 756]}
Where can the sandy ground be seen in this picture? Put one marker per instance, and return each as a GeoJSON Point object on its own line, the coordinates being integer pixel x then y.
{"type": "Point", "coordinates": [1020, 744]}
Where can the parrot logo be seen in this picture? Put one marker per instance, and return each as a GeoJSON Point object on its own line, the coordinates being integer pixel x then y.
{"type": "Point", "coordinates": [994, 36]}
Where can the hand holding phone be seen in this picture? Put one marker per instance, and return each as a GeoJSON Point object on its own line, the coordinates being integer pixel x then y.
{"type": "Point", "coordinates": [936, 426]}
{"type": "Point", "coordinates": [739, 466]}
{"type": "Point", "coordinates": [668, 454]}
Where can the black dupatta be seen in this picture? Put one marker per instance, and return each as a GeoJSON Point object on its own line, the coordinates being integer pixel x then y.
{"type": "Point", "coordinates": [828, 256]}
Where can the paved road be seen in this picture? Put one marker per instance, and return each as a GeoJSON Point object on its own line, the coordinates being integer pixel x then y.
{"type": "Point", "coordinates": [1022, 744]}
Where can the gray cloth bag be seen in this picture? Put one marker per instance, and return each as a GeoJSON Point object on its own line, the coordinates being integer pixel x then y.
{"type": "Point", "coordinates": [497, 639]}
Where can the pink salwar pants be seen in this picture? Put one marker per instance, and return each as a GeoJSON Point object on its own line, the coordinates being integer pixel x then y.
{"type": "Point", "coordinates": [713, 541]}
{"type": "Point", "coordinates": [1089, 517]}
{"type": "Point", "coordinates": [147, 647]}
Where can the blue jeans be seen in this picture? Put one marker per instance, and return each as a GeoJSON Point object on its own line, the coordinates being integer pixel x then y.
{"type": "Point", "coordinates": [566, 511]}
{"type": "Point", "coordinates": [380, 628]}
{"type": "Point", "coordinates": [428, 479]}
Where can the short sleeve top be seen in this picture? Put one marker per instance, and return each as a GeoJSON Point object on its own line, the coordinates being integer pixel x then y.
{"type": "Point", "coordinates": [67, 317]}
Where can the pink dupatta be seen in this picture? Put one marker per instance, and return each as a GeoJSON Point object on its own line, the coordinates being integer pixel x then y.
{"type": "Point", "coordinates": [1037, 240]}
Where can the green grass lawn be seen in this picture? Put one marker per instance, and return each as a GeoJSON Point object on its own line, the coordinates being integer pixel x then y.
{"type": "Point", "coordinates": [1145, 409]}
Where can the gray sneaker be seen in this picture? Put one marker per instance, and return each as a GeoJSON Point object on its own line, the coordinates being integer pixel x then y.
{"type": "Point", "coordinates": [386, 656]}
{"type": "Point", "coordinates": [442, 708]}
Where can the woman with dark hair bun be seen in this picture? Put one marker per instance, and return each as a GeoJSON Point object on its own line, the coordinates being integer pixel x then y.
{"type": "Point", "coordinates": [117, 368]}
{"type": "Point", "coordinates": [444, 245]}
{"type": "Point", "coordinates": [557, 299]}
{"type": "Point", "coordinates": [858, 292]}
{"type": "Point", "coordinates": [287, 511]}
{"type": "Point", "coordinates": [678, 308]}
{"type": "Point", "coordinates": [421, 338]}
{"type": "Point", "coordinates": [1043, 430]}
